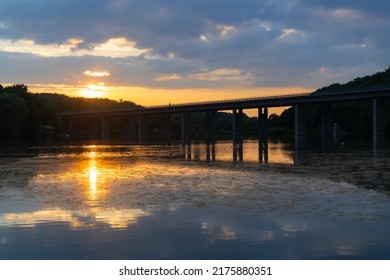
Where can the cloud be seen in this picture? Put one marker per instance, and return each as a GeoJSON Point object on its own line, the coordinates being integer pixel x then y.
{"type": "Point", "coordinates": [96, 74]}
{"type": "Point", "coordinates": [195, 43]}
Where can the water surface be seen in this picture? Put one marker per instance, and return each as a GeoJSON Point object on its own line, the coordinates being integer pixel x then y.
{"type": "Point", "coordinates": [153, 202]}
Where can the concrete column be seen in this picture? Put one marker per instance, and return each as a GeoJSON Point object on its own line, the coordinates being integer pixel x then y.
{"type": "Point", "coordinates": [378, 111]}
{"type": "Point", "coordinates": [186, 130]}
{"type": "Point", "coordinates": [300, 126]}
{"type": "Point", "coordinates": [142, 130]}
{"type": "Point", "coordinates": [238, 137]}
{"type": "Point", "coordinates": [105, 128]}
{"type": "Point", "coordinates": [70, 129]}
{"type": "Point", "coordinates": [93, 128]}
{"type": "Point", "coordinates": [210, 135]}
{"type": "Point", "coordinates": [263, 134]}
{"type": "Point", "coordinates": [129, 128]}
{"type": "Point", "coordinates": [326, 125]}
{"type": "Point", "coordinates": [167, 127]}
{"type": "Point", "coordinates": [210, 129]}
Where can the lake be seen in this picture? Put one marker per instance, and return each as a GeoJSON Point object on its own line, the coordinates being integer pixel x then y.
{"type": "Point", "coordinates": [164, 202]}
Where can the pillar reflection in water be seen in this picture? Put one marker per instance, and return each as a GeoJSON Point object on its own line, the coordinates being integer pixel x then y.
{"type": "Point", "coordinates": [263, 152]}
{"type": "Point", "coordinates": [238, 152]}
{"type": "Point", "coordinates": [186, 151]}
{"type": "Point", "coordinates": [210, 152]}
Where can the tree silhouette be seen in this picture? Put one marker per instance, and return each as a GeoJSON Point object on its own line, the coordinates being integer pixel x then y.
{"type": "Point", "coordinates": [13, 111]}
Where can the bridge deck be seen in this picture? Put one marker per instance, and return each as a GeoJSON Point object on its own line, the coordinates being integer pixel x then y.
{"type": "Point", "coordinates": [247, 103]}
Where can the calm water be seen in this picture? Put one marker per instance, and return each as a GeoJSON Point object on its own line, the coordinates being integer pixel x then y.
{"type": "Point", "coordinates": [153, 202]}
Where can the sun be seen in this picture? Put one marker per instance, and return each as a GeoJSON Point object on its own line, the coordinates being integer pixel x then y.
{"type": "Point", "coordinates": [93, 91]}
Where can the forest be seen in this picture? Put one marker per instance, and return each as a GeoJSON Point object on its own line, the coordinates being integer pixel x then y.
{"type": "Point", "coordinates": [24, 116]}
{"type": "Point", "coordinates": [353, 117]}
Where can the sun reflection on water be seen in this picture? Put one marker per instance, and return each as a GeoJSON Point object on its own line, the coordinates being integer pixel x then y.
{"type": "Point", "coordinates": [92, 175]}
{"type": "Point", "coordinates": [116, 219]}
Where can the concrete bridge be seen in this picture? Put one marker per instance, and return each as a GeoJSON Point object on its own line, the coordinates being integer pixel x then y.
{"type": "Point", "coordinates": [135, 119]}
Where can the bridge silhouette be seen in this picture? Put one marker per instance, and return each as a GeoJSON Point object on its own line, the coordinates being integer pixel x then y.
{"type": "Point", "coordinates": [135, 118]}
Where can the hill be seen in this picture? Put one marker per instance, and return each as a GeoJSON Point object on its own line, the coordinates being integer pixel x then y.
{"type": "Point", "coordinates": [354, 117]}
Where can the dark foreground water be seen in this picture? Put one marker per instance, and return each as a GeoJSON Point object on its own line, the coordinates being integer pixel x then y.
{"type": "Point", "coordinates": [134, 202]}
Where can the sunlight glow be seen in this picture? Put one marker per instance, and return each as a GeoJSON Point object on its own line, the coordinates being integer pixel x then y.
{"type": "Point", "coordinates": [93, 91]}
{"type": "Point", "coordinates": [96, 73]}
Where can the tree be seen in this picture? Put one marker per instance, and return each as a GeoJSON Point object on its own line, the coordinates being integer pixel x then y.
{"type": "Point", "coordinates": [20, 89]}
{"type": "Point", "coordinates": [13, 111]}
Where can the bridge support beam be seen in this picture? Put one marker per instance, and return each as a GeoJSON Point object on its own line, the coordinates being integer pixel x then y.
{"type": "Point", "coordinates": [300, 126]}
{"type": "Point", "coordinates": [211, 135]}
{"type": "Point", "coordinates": [186, 129]}
{"type": "Point", "coordinates": [70, 127]}
{"type": "Point", "coordinates": [378, 111]}
{"type": "Point", "coordinates": [166, 118]}
{"type": "Point", "coordinates": [142, 130]}
{"type": "Point", "coordinates": [238, 136]}
{"type": "Point", "coordinates": [326, 125]}
{"type": "Point", "coordinates": [238, 127]}
{"type": "Point", "coordinates": [263, 134]}
{"type": "Point", "coordinates": [211, 127]}
{"type": "Point", "coordinates": [129, 128]}
{"type": "Point", "coordinates": [105, 128]}
{"type": "Point", "coordinates": [93, 128]}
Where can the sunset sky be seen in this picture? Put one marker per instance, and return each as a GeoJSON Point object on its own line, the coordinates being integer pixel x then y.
{"type": "Point", "coordinates": [164, 51]}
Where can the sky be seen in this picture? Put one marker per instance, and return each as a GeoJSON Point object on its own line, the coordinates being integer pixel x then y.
{"type": "Point", "coordinates": [156, 52]}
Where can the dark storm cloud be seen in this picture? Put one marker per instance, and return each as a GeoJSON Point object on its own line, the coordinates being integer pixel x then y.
{"type": "Point", "coordinates": [279, 42]}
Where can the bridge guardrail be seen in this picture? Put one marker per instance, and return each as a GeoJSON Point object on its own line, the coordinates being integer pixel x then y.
{"type": "Point", "coordinates": [270, 97]}
{"type": "Point", "coordinates": [228, 100]}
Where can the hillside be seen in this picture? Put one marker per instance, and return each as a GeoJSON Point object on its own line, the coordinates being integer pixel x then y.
{"type": "Point", "coordinates": [354, 117]}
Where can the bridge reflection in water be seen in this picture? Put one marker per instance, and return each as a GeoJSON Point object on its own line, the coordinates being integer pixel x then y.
{"type": "Point", "coordinates": [249, 151]}
{"type": "Point", "coordinates": [134, 122]}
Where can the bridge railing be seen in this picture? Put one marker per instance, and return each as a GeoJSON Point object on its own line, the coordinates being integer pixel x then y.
{"type": "Point", "coordinates": [228, 100]}
{"type": "Point", "coordinates": [270, 97]}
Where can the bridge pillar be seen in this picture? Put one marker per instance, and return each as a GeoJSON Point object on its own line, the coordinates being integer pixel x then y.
{"type": "Point", "coordinates": [326, 125]}
{"type": "Point", "coordinates": [166, 118]}
{"type": "Point", "coordinates": [142, 130]}
{"type": "Point", "coordinates": [70, 128]}
{"type": "Point", "coordinates": [211, 135]}
{"type": "Point", "coordinates": [378, 111]}
{"type": "Point", "coordinates": [105, 128]}
{"type": "Point", "coordinates": [263, 134]}
{"type": "Point", "coordinates": [210, 130]}
{"type": "Point", "coordinates": [300, 126]}
{"type": "Point", "coordinates": [186, 130]}
{"type": "Point", "coordinates": [237, 126]}
{"type": "Point", "coordinates": [129, 128]}
{"type": "Point", "coordinates": [238, 137]}
{"type": "Point", "coordinates": [93, 128]}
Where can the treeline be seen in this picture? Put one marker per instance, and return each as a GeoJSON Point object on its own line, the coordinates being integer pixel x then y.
{"type": "Point", "coordinates": [25, 116]}
{"type": "Point", "coordinates": [353, 117]}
